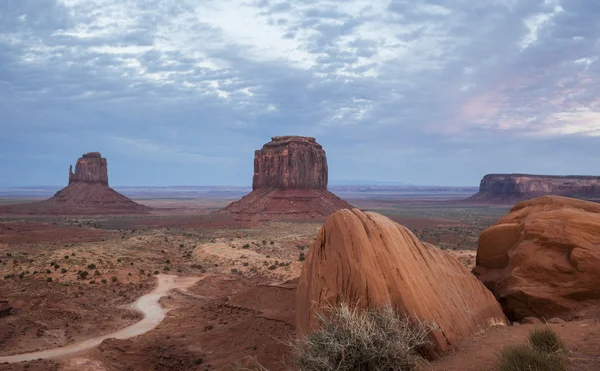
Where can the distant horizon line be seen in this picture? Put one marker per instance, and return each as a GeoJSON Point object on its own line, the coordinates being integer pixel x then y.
{"type": "Point", "coordinates": [336, 184]}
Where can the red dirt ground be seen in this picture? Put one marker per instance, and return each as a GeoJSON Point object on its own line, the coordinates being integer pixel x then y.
{"type": "Point", "coordinates": [38, 232]}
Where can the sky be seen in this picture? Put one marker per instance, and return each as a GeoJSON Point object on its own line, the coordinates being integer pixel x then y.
{"type": "Point", "coordinates": [437, 92]}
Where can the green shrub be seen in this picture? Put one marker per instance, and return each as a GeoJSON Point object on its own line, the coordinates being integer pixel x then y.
{"type": "Point", "coordinates": [113, 279]}
{"type": "Point", "coordinates": [349, 338]}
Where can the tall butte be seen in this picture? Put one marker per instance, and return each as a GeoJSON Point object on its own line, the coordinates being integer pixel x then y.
{"type": "Point", "coordinates": [88, 188]}
{"type": "Point", "coordinates": [88, 193]}
{"type": "Point", "coordinates": [290, 181]}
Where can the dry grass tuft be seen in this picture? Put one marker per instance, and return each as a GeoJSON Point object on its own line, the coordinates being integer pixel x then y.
{"type": "Point", "coordinates": [349, 338]}
{"type": "Point", "coordinates": [248, 364]}
{"type": "Point", "coordinates": [545, 340]}
{"type": "Point", "coordinates": [543, 352]}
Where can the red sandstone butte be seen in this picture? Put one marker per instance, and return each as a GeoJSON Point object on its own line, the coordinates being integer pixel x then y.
{"type": "Point", "coordinates": [90, 168]}
{"type": "Point", "coordinates": [88, 193]}
{"type": "Point", "coordinates": [290, 181]}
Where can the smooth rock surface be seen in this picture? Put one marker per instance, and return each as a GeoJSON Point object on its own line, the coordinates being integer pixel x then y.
{"type": "Point", "coordinates": [368, 259]}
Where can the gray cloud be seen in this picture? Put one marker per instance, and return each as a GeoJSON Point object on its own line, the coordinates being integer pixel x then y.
{"type": "Point", "coordinates": [426, 92]}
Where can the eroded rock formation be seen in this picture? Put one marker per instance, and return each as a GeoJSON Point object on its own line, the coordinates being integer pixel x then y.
{"type": "Point", "coordinates": [290, 162]}
{"type": "Point", "coordinates": [290, 181]}
{"type": "Point", "coordinates": [368, 259]}
{"type": "Point", "coordinates": [518, 187]}
{"type": "Point", "coordinates": [90, 168]}
{"type": "Point", "coordinates": [543, 258]}
{"type": "Point", "coordinates": [88, 193]}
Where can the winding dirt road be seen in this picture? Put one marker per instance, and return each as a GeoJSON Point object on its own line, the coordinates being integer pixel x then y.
{"type": "Point", "coordinates": [147, 304]}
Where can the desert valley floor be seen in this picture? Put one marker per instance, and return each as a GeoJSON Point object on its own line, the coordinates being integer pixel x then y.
{"type": "Point", "coordinates": [73, 278]}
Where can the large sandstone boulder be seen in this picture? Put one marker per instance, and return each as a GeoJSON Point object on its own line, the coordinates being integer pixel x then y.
{"type": "Point", "coordinates": [543, 258]}
{"type": "Point", "coordinates": [290, 181]}
{"type": "Point", "coordinates": [510, 188]}
{"type": "Point", "coordinates": [368, 259]}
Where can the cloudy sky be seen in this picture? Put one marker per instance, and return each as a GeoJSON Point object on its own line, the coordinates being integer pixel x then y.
{"type": "Point", "coordinates": [182, 92]}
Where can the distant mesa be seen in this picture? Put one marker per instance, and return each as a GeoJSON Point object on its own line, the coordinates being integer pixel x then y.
{"type": "Point", "coordinates": [543, 258]}
{"type": "Point", "coordinates": [290, 181]}
{"type": "Point", "coordinates": [88, 193]}
{"type": "Point", "coordinates": [512, 188]}
{"type": "Point", "coordinates": [367, 259]}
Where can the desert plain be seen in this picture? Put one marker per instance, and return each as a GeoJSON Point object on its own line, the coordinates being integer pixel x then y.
{"type": "Point", "coordinates": [73, 278]}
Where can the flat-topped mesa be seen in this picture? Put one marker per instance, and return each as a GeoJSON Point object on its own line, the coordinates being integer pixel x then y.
{"type": "Point", "coordinates": [289, 182]}
{"type": "Point", "coordinates": [517, 187]}
{"type": "Point", "coordinates": [90, 168]}
{"type": "Point", "coordinates": [290, 162]}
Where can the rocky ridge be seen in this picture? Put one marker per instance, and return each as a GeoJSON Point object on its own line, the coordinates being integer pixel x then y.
{"type": "Point", "coordinates": [511, 188]}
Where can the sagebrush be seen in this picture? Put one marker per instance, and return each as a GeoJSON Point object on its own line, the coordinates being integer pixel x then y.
{"type": "Point", "coordinates": [349, 338]}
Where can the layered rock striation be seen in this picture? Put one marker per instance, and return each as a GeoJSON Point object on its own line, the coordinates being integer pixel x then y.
{"type": "Point", "coordinates": [518, 187]}
{"type": "Point", "coordinates": [289, 181]}
{"type": "Point", "coordinates": [290, 162]}
{"type": "Point", "coordinates": [367, 259]}
{"type": "Point", "coordinates": [543, 258]}
{"type": "Point", "coordinates": [90, 168]}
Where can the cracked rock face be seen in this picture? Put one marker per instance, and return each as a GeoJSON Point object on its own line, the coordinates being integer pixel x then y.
{"type": "Point", "coordinates": [366, 258]}
{"type": "Point", "coordinates": [90, 168]}
{"type": "Point", "coordinates": [290, 162]}
{"type": "Point", "coordinates": [518, 187]}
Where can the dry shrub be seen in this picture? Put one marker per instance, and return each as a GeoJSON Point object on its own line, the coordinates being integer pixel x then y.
{"type": "Point", "coordinates": [349, 338]}
{"type": "Point", "coordinates": [249, 363]}
{"type": "Point", "coordinates": [545, 340]}
{"type": "Point", "coordinates": [543, 352]}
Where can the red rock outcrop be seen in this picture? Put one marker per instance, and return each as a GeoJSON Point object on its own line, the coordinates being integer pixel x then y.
{"type": "Point", "coordinates": [90, 168]}
{"type": "Point", "coordinates": [290, 181]}
{"type": "Point", "coordinates": [511, 188]}
{"type": "Point", "coordinates": [368, 259]}
{"type": "Point", "coordinates": [543, 258]}
{"type": "Point", "coordinates": [88, 193]}
{"type": "Point", "coordinates": [290, 162]}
